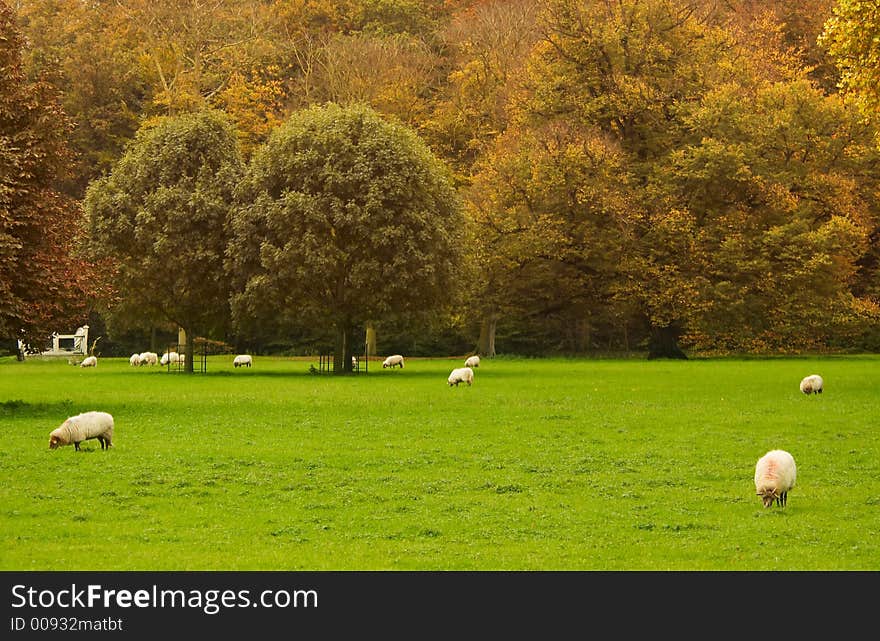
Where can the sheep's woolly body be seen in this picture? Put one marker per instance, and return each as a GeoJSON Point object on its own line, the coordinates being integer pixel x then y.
{"type": "Point", "coordinates": [242, 360]}
{"type": "Point", "coordinates": [169, 357]}
{"type": "Point", "coordinates": [812, 384]}
{"type": "Point", "coordinates": [461, 375]}
{"type": "Point", "coordinates": [89, 361]}
{"type": "Point", "coordinates": [775, 475]}
{"type": "Point", "coordinates": [391, 361]}
{"type": "Point", "coordinates": [135, 360]}
{"type": "Point", "coordinates": [83, 427]}
{"type": "Point", "coordinates": [149, 358]}
{"type": "Point", "coordinates": [473, 361]}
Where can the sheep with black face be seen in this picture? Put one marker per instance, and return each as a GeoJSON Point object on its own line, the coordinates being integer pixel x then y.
{"type": "Point", "coordinates": [83, 427]}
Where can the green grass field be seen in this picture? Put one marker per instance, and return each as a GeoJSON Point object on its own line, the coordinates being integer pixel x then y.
{"type": "Point", "coordinates": [542, 465]}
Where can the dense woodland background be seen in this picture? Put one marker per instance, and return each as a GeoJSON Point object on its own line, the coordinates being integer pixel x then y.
{"type": "Point", "coordinates": [629, 176]}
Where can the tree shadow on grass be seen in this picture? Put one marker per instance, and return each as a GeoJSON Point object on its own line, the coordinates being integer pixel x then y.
{"type": "Point", "coordinates": [20, 409]}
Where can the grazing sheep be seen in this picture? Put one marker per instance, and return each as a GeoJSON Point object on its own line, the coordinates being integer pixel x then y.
{"type": "Point", "coordinates": [461, 375]}
{"type": "Point", "coordinates": [89, 361]}
{"type": "Point", "coordinates": [169, 357]}
{"type": "Point", "coordinates": [391, 361]}
{"type": "Point", "coordinates": [149, 358]}
{"type": "Point", "coordinates": [812, 384]}
{"type": "Point", "coordinates": [775, 474]}
{"type": "Point", "coordinates": [242, 360]}
{"type": "Point", "coordinates": [135, 360]}
{"type": "Point", "coordinates": [83, 427]}
{"type": "Point", "coordinates": [473, 361]}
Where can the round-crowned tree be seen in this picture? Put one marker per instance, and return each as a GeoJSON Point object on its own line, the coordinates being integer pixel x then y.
{"type": "Point", "coordinates": [162, 215]}
{"type": "Point", "coordinates": [343, 218]}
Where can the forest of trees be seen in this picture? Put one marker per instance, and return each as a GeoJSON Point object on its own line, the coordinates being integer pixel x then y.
{"type": "Point", "coordinates": [665, 177]}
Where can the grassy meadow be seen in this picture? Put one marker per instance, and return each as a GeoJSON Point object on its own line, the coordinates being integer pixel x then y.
{"type": "Point", "coordinates": [544, 464]}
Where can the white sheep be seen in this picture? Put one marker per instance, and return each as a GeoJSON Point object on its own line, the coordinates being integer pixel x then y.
{"type": "Point", "coordinates": [812, 384]}
{"type": "Point", "coordinates": [83, 427]}
{"type": "Point", "coordinates": [461, 375]}
{"type": "Point", "coordinates": [149, 358]}
{"type": "Point", "coordinates": [775, 474]}
{"type": "Point", "coordinates": [169, 357]}
{"type": "Point", "coordinates": [473, 361]}
{"type": "Point", "coordinates": [242, 360]}
{"type": "Point", "coordinates": [391, 361]}
{"type": "Point", "coordinates": [135, 360]}
{"type": "Point", "coordinates": [89, 361]}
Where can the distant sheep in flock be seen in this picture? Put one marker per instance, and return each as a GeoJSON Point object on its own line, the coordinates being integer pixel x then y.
{"type": "Point", "coordinates": [473, 361]}
{"type": "Point", "coordinates": [391, 361]}
{"type": "Point", "coordinates": [812, 384]}
{"type": "Point", "coordinates": [83, 427]}
{"type": "Point", "coordinates": [149, 358]}
{"type": "Point", "coordinates": [242, 360]}
{"type": "Point", "coordinates": [169, 357]}
{"type": "Point", "coordinates": [775, 474]}
{"type": "Point", "coordinates": [89, 361]}
{"type": "Point", "coordinates": [135, 360]}
{"type": "Point", "coordinates": [461, 375]}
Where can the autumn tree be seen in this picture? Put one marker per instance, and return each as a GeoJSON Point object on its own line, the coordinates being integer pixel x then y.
{"type": "Point", "coordinates": [793, 27]}
{"type": "Point", "coordinates": [44, 285]}
{"type": "Point", "coordinates": [388, 72]}
{"type": "Point", "coordinates": [780, 183]}
{"type": "Point", "coordinates": [161, 215]}
{"type": "Point", "coordinates": [552, 227]}
{"type": "Point", "coordinates": [852, 36]}
{"type": "Point", "coordinates": [343, 218]}
{"type": "Point", "coordinates": [488, 44]}
{"type": "Point", "coordinates": [605, 89]}
{"type": "Point", "coordinates": [94, 64]}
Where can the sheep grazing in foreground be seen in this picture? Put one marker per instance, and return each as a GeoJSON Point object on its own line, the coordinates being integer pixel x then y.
{"type": "Point", "coordinates": [169, 357]}
{"type": "Point", "coordinates": [83, 427]}
{"type": "Point", "coordinates": [461, 375]}
{"type": "Point", "coordinates": [473, 361]}
{"type": "Point", "coordinates": [242, 360]}
{"type": "Point", "coordinates": [775, 474]}
{"type": "Point", "coordinates": [135, 360]}
{"type": "Point", "coordinates": [391, 361]}
{"type": "Point", "coordinates": [812, 384]}
{"type": "Point", "coordinates": [89, 361]}
{"type": "Point", "coordinates": [149, 358]}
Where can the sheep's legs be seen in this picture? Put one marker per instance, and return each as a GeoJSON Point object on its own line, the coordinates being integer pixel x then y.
{"type": "Point", "coordinates": [76, 445]}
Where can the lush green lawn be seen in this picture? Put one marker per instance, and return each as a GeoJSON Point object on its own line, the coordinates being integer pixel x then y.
{"type": "Point", "coordinates": [542, 464]}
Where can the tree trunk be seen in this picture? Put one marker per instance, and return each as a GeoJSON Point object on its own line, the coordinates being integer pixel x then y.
{"type": "Point", "coordinates": [153, 339]}
{"type": "Point", "coordinates": [15, 349]}
{"type": "Point", "coordinates": [486, 342]}
{"type": "Point", "coordinates": [189, 349]}
{"type": "Point", "coordinates": [370, 341]}
{"type": "Point", "coordinates": [583, 335]}
{"type": "Point", "coordinates": [664, 343]}
{"type": "Point", "coordinates": [343, 351]}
